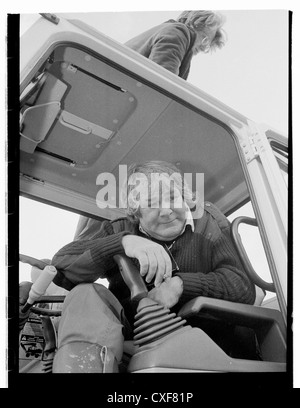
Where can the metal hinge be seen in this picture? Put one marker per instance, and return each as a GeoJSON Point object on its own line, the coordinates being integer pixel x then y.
{"type": "Point", "coordinates": [249, 149]}
{"type": "Point", "coordinates": [251, 143]}
{"type": "Point", "coordinates": [50, 17]}
{"type": "Point", "coordinates": [31, 178]}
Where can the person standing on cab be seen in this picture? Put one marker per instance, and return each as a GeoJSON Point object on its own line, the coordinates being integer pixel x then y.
{"type": "Point", "coordinates": [174, 43]}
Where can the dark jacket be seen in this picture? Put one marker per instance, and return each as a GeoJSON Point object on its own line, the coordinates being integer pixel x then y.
{"type": "Point", "coordinates": [168, 44]}
{"type": "Point", "coordinates": [208, 263]}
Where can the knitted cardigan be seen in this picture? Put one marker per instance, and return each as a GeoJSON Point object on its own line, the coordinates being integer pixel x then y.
{"type": "Point", "coordinates": [208, 263]}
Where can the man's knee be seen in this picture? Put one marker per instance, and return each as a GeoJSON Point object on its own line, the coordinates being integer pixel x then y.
{"type": "Point", "coordinates": [91, 314]}
{"type": "Point", "coordinates": [85, 294]}
{"type": "Point", "coordinates": [90, 295]}
{"type": "Point", "coordinates": [85, 288]}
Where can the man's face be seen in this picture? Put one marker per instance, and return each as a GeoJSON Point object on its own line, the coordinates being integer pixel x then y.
{"type": "Point", "coordinates": [204, 40]}
{"type": "Point", "coordinates": [162, 209]}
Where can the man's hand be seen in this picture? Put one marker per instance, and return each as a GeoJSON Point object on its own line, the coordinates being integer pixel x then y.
{"type": "Point", "coordinates": [168, 293]}
{"type": "Point", "coordinates": [153, 258]}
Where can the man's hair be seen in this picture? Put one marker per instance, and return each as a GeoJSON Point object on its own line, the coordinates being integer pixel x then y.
{"type": "Point", "coordinates": [147, 169]}
{"type": "Point", "coordinates": [200, 20]}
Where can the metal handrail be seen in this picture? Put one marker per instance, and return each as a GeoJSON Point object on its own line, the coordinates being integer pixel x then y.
{"type": "Point", "coordinates": [255, 278]}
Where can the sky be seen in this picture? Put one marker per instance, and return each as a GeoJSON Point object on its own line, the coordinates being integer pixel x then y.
{"type": "Point", "coordinates": [249, 74]}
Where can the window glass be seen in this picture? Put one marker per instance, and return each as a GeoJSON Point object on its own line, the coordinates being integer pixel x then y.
{"type": "Point", "coordinates": [43, 231]}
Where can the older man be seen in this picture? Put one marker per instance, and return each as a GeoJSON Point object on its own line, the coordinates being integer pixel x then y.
{"type": "Point", "coordinates": [179, 257]}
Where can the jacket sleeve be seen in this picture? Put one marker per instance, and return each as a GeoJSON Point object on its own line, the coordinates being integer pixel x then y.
{"type": "Point", "coordinates": [169, 47]}
{"type": "Point", "coordinates": [226, 279]}
{"type": "Point", "coordinates": [88, 259]}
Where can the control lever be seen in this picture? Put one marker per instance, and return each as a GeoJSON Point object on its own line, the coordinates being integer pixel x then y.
{"type": "Point", "coordinates": [32, 261]}
{"type": "Point", "coordinates": [152, 321]}
{"type": "Point", "coordinates": [40, 286]}
{"type": "Point", "coordinates": [132, 278]}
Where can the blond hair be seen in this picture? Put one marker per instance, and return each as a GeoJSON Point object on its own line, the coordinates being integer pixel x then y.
{"type": "Point", "coordinates": [200, 20]}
